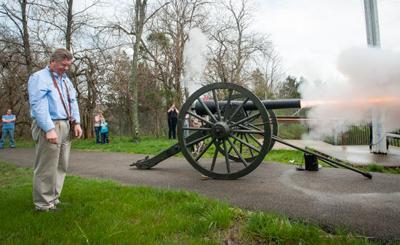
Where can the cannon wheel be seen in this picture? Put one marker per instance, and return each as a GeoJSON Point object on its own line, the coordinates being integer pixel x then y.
{"type": "Point", "coordinates": [274, 128]}
{"type": "Point", "coordinates": [219, 130]}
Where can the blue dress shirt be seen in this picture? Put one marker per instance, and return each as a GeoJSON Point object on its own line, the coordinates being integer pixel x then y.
{"type": "Point", "coordinates": [45, 101]}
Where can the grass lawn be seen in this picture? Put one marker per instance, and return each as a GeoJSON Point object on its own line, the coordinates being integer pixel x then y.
{"type": "Point", "coordinates": [105, 212]}
{"type": "Point", "coordinates": [153, 146]}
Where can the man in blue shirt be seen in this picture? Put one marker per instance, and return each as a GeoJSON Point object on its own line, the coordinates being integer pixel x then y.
{"type": "Point", "coordinates": [53, 103]}
{"type": "Point", "coordinates": [8, 121]}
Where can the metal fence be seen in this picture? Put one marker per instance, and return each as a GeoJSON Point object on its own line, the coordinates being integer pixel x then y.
{"type": "Point", "coordinates": [292, 127]}
{"type": "Point", "coordinates": [361, 135]}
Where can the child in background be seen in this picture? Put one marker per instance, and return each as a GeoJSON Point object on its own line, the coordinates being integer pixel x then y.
{"type": "Point", "coordinates": [104, 132]}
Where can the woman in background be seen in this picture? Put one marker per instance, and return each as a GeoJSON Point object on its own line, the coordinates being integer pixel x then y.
{"type": "Point", "coordinates": [97, 125]}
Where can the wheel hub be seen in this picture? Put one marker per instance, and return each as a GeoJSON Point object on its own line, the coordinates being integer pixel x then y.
{"type": "Point", "coordinates": [221, 130]}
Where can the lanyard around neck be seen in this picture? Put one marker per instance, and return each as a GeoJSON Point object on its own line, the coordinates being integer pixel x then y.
{"type": "Point", "coordinates": [61, 97]}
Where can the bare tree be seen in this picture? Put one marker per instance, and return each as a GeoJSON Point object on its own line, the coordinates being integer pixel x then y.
{"type": "Point", "coordinates": [167, 39]}
{"type": "Point", "coordinates": [273, 69]}
{"type": "Point", "coordinates": [134, 31]}
{"type": "Point", "coordinates": [235, 47]}
{"type": "Point", "coordinates": [91, 69]}
{"type": "Point", "coordinates": [117, 94]}
{"type": "Point", "coordinates": [17, 15]}
{"type": "Point", "coordinates": [16, 60]}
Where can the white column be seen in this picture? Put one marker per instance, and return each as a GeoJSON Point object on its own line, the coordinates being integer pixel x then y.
{"type": "Point", "coordinates": [373, 39]}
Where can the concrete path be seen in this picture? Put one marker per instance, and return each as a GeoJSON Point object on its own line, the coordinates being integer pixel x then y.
{"type": "Point", "coordinates": [329, 197]}
{"type": "Point", "coordinates": [357, 155]}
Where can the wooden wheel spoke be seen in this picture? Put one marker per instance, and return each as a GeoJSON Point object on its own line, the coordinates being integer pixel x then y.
{"type": "Point", "coordinates": [228, 103]}
{"type": "Point", "coordinates": [197, 140]}
{"type": "Point", "coordinates": [263, 123]}
{"type": "Point", "coordinates": [215, 156]}
{"type": "Point", "coordinates": [247, 131]}
{"type": "Point", "coordinates": [196, 129]}
{"type": "Point", "coordinates": [207, 109]}
{"type": "Point", "coordinates": [200, 118]}
{"type": "Point", "coordinates": [238, 109]}
{"type": "Point", "coordinates": [228, 166]}
{"type": "Point", "coordinates": [250, 149]}
{"type": "Point", "coordinates": [204, 150]}
{"type": "Point", "coordinates": [253, 127]}
{"type": "Point", "coordinates": [230, 149]}
{"type": "Point", "coordinates": [246, 143]}
{"type": "Point", "coordinates": [245, 119]}
{"type": "Point", "coordinates": [241, 145]}
{"type": "Point", "coordinates": [217, 104]}
{"type": "Point", "coordinates": [251, 114]}
{"type": "Point", "coordinates": [255, 139]}
{"type": "Point", "coordinates": [238, 154]}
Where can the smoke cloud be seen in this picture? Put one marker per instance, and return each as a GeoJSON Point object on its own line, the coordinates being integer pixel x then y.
{"type": "Point", "coordinates": [194, 55]}
{"type": "Point", "coordinates": [370, 79]}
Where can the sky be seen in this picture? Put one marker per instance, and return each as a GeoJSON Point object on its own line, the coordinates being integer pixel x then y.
{"type": "Point", "coordinates": [325, 42]}
{"type": "Point", "coordinates": [309, 35]}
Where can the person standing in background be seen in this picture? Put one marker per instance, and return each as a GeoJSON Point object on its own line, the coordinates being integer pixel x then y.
{"type": "Point", "coordinates": [54, 110]}
{"type": "Point", "coordinates": [104, 131]}
{"type": "Point", "coordinates": [8, 121]}
{"type": "Point", "coordinates": [97, 126]}
{"type": "Point", "coordinates": [172, 121]}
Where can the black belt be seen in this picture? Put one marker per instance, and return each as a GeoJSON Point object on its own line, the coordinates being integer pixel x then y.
{"type": "Point", "coordinates": [62, 119]}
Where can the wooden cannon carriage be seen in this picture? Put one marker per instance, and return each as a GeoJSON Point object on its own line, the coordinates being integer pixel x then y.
{"type": "Point", "coordinates": [225, 132]}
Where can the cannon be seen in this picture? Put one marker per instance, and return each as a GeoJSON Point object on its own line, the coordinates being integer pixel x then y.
{"type": "Point", "coordinates": [225, 131]}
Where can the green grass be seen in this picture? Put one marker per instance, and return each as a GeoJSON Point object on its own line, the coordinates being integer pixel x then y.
{"type": "Point", "coordinates": [147, 145]}
{"type": "Point", "coordinates": [381, 169]}
{"type": "Point", "coordinates": [153, 146]}
{"type": "Point", "coordinates": [21, 142]}
{"type": "Point", "coordinates": [105, 212]}
{"type": "Point", "coordinates": [285, 156]}
{"type": "Point", "coordinates": [276, 229]}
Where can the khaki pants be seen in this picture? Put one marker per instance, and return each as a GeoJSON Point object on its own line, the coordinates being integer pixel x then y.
{"type": "Point", "coordinates": [51, 163]}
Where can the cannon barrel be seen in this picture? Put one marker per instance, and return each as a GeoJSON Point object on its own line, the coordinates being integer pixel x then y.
{"type": "Point", "coordinates": [249, 105]}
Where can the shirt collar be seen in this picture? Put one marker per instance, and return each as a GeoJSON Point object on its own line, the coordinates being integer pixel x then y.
{"type": "Point", "coordinates": [55, 73]}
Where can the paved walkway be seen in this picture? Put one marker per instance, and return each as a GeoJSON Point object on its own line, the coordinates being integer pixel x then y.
{"type": "Point", "coordinates": [329, 197]}
{"type": "Point", "coordinates": [357, 155]}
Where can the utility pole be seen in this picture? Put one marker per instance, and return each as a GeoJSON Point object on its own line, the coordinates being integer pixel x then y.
{"type": "Point", "coordinates": [379, 144]}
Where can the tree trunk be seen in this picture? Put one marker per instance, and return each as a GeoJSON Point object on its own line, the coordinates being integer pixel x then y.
{"type": "Point", "coordinates": [68, 31]}
{"type": "Point", "coordinates": [140, 9]}
{"type": "Point", "coordinates": [135, 102]}
{"type": "Point", "coordinates": [25, 37]}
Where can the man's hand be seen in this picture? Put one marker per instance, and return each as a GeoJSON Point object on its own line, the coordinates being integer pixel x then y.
{"type": "Point", "coordinates": [51, 136]}
{"type": "Point", "coordinates": [78, 130]}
